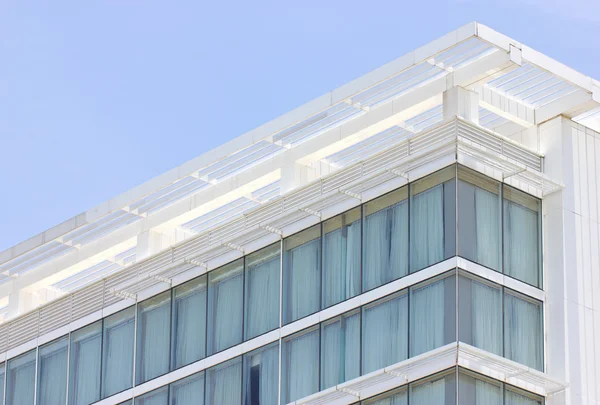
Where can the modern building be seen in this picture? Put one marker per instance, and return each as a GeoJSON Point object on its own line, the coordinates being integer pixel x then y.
{"type": "Point", "coordinates": [426, 234]}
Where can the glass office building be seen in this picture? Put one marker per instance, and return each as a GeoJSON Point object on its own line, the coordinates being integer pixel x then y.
{"type": "Point", "coordinates": [417, 236]}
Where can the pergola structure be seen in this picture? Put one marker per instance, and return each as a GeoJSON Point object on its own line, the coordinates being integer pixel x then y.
{"type": "Point", "coordinates": [465, 95]}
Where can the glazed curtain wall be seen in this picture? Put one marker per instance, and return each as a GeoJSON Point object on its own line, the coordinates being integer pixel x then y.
{"type": "Point", "coordinates": [380, 241]}
{"type": "Point", "coordinates": [391, 329]}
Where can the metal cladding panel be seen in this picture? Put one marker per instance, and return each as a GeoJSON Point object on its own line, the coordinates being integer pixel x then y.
{"type": "Point", "coordinates": [88, 300]}
{"type": "Point", "coordinates": [23, 329]}
{"type": "Point", "coordinates": [56, 314]}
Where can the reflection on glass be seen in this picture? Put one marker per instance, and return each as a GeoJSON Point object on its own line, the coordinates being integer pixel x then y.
{"type": "Point", "coordinates": [340, 349]}
{"type": "Point", "coordinates": [433, 321]}
{"type": "Point", "coordinates": [157, 397]}
{"type": "Point", "coordinates": [433, 391]}
{"type": "Point", "coordinates": [84, 364]}
{"type": "Point", "coordinates": [189, 391]}
{"type": "Point", "coordinates": [189, 322]}
{"type": "Point", "coordinates": [341, 257]}
{"type": "Point", "coordinates": [522, 236]}
{"type": "Point", "coordinates": [224, 383]}
{"type": "Point", "coordinates": [385, 239]}
{"type": "Point", "coordinates": [225, 306]}
{"type": "Point", "coordinates": [262, 291]}
{"type": "Point", "coordinates": [52, 373]}
{"type": "Point", "coordinates": [523, 330]}
{"type": "Point", "coordinates": [385, 334]}
{"type": "Point", "coordinates": [261, 376]}
{"type": "Point", "coordinates": [432, 219]}
{"type": "Point", "coordinates": [20, 379]}
{"type": "Point", "coordinates": [153, 337]}
{"type": "Point", "coordinates": [479, 219]}
{"type": "Point", "coordinates": [301, 274]}
{"type": "Point", "coordinates": [300, 359]}
{"type": "Point", "coordinates": [117, 352]}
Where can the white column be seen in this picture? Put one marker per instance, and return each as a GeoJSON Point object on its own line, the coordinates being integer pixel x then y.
{"type": "Point", "coordinates": [295, 175]}
{"type": "Point", "coordinates": [149, 243]}
{"type": "Point", "coordinates": [460, 102]}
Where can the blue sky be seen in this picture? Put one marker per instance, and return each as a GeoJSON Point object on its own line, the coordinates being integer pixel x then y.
{"type": "Point", "coordinates": [97, 97]}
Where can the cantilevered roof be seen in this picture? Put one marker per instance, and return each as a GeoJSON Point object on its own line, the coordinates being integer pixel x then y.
{"type": "Point", "coordinates": [518, 88]}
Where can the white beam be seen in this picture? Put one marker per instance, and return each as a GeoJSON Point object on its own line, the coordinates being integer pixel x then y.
{"type": "Point", "coordinates": [506, 107]}
{"type": "Point", "coordinates": [562, 106]}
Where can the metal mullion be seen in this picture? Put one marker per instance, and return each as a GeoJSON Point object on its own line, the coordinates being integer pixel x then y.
{"type": "Point", "coordinates": [135, 335]}
{"type": "Point", "coordinates": [35, 384]}
{"type": "Point", "coordinates": [243, 300]}
{"type": "Point", "coordinates": [68, 367]}
{"type": "Point", "coordinates": [280, 318]}
{"type": "Point", "coordinates": [101, 357]}
{"type": "Point", "coordinates": [5, 380]}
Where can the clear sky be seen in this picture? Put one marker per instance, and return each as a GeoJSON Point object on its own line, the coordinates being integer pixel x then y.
{"type": "Point", "coordinates": [97, 97]}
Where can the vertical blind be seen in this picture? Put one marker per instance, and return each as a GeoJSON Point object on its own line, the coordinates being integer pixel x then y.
{"type": "Point", "coordinates": [225, 306]}
{"type": "Point", "coordinates": [84, 367]}
{"type": "Point", "coordinates": [117, 356]}
{"type": "Point", "coordinates": [153, 337]}
{"type": "Point", "coordinates": [52, 373]}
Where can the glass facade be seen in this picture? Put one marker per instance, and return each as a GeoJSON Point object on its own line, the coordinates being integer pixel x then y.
{"type": "Point", "coordinates": [364, 248]}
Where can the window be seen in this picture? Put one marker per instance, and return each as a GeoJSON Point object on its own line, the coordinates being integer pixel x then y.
{"type": "Point", "coordinates": [188, 391]}
{"type": "Point", "coordinates": [189, 322]}
{"type": "Point", "coordinates": [117, 352]}
{"type": "Point", "coordinates": [225, 306]}
{"type": "Point", "coordinates": [341, 257]}
{"type": "Point", "coordinates": [84, 364]}
{"type": "Point", "coordinates": [385, 239]}
{"type": "Point", "coordinates": [433, 315]}
{"type": "Point", "coordinates": [340, 349]}
{"type": "Point", "coordinates": [300, 361]}
{"type": "Point", "coordinates": [523, 330]}
{"type": "Point", "coordinates": [437, 390]}
{"type": "Point", "coordinates": [224, 383]}
{"type": "Point", "coordinates": [515, 396]}
{"type": "Point", "coordinates": [479, 219]}
{"type": "Point", "coordinates": [396, 397]}
{"type": "Point", "coordinates": [432, 219]}
{"type": "Point", "coordinates": [301, 274]}
{"type": "Point", "coordinates": [52, 373]}
{"type": "Point", "coordinates": [385, 332]}
{"type": "Point", "coordinates": [20, 379]}
{"type": "Point", "coordinates": [522, 227]}
{"type": "Point", "coordinates": [480, 309]}
{"type": "Point", "coordinates": [2, 376]}
{"type": "Point", "coordinates": [159, 396]}
{"type": "Point", "coordinates": [474, 389]}
{"type": "Point", "coordinates": [261, 376]}
{"type": "Point", "coordinates": [153, 337]}
{"type": "Point", "coordinates": [262, 291]}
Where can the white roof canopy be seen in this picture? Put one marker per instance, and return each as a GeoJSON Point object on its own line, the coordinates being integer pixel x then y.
{"type": "Point", "coordinates": [518, 88]}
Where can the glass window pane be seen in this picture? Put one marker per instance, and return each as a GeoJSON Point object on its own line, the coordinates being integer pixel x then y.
{"type": "Point", "coordinates": [433, 319]}
{"type": "Point", "coordinates": [340, 350]}
{"type": "Point", "coordinates": [52, 373]}
{"type": "Point", "coordinates": [433, 219]}
{"type": "Point", "coordinates": [301, 274]}
{"type": "Point", "coordinates": [261, 376]}
{"type": "Point", "coordinates": [117, 352]}
{"type": "Point", "coordinates": [523, 330]}
{"type": "Point", "coordinates": [396, 397]}
{"type": "Point", "coordinates": [300, 360]}
{"type": "Point", "coordinates": [262, 291]}
{"type": "Point", "coordinates": [189, 322]}
{"type": "Point", "coordinates": [439, 390]}
{"type": "Point", "coordinates": [518, 397]}
{"type": "Point", "coordinates": [188, 391]}
{"type": "Point", "coordinates": [153, 337]}
{"type": "Point", "coordinates": [225, 306]}
{"type": "Point", "coordinates": [480, 314]}
{"type": "Point", "coordinates": [474, 390]}
{"type": "Point", "coordinates": [522, 236]}
{"type": "Point", "coordinates": [385, 332]}
{"type": "Point", "coordinates": [2, 371]}
{"type": "Point", "coordinates": [341, 257]}
{"type": "Point", "coordinates": [224, 383]}
{"type": "Point", "coordinates": [84, 365]}
{"type": "Point", "coordinates": [157, 397]}
{"type": "Point", "coordinates": [20, 379]}
{"type": "Point", "coordinates": [129, 402]}
{"type": "Point", "coordinates": [479, 218]}
{"type": "Point", "coordinates": [385, 239]}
